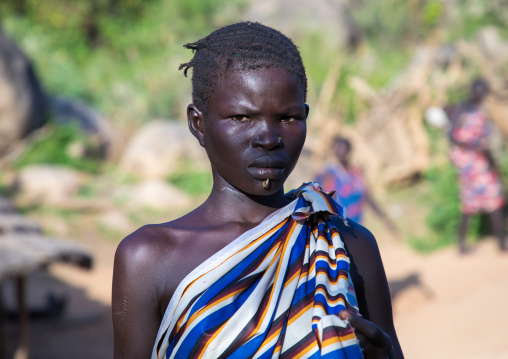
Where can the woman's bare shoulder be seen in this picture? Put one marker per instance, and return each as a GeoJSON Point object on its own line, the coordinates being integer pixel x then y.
{"type": "Point", "coordinates": [363, 251]}
{"type": "Point", "coordinates": [355, 236]}
{"type": "Point", "coordinates": [150, 238]}
{"type": "Point", "coordinates": [150, 248]}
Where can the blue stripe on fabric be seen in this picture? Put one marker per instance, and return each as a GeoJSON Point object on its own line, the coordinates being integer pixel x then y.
{"type": "Point", "coordinates": [304, 290]}
{"type": "Point", "coordinates": [231, 276]}
{"type": "Point", "coordinates": [349, 352]}
{"type": "Point", "coordinates": [248, 349]}
{"type": "Point", "coordinates": [268, 352]}
{"type": "Point", "coordinates": [213, 319]}
{"type": "Point", "coordinates": [341, 265]}
{"type": "Point", "coordinates": [316, 355]}
{"type": "Point", "coordinates": [299, 246]}
{"type": "Point", "coordinates": [251, 347]}
{"type": "Point", "coordinates": [320, 298]}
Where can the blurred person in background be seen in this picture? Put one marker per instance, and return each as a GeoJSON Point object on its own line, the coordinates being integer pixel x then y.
{"type": "Point", "coordinates": [350, 184]}
{"type": "Point", "coordinates": [480, 185]}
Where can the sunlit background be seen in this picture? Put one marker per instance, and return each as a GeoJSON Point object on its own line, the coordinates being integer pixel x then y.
{"type": "Point", "coordinates": [94, 144]}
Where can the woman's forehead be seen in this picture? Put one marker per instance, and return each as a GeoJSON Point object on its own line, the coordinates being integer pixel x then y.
{"type": "Point", "coordinates": [259, 85]}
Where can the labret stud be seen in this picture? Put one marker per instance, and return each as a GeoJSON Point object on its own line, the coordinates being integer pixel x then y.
{"type": "Point", "coordinates": [266, 184]}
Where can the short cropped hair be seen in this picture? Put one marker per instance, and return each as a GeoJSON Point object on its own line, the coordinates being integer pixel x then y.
{"type": "Point", "coordinates": [244, 46]}
{"type": "Point", "coordinates": [480, 82]}
{"type": "Point", "coordinates": [343, 140]}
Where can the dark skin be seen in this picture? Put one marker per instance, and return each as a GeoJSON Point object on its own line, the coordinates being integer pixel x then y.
{"type": "Point", "coordinates": [253, 129]}
{"type": "Point", "coordinates": [479, 91]}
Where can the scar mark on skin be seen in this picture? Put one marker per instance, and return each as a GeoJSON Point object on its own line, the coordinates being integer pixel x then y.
{"type": "Point", "coordinates": [121, 314]}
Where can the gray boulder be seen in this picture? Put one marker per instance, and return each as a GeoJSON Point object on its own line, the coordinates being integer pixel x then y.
{"type": "Point", "coordinates": [158, 195]}
{"type": "Point", "coordinates": [22, 103]}
{"type": "Point", "coordinates": [47, 184]}
{"type": "Point", "coordinates": [332, 19]}
{"type": "Point", "coordinates": [160, 147]}
{"type": "Point", "coordinates": [100, 131]}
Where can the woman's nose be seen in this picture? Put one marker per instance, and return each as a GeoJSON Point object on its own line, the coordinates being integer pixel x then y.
{"type": "Point", "coordinates": [267, 138]}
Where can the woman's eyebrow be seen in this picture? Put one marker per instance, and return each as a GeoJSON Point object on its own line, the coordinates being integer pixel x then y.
{"type": "Point", "coordinates": [293, 109]}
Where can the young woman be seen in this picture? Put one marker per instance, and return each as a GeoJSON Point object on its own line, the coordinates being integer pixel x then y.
{"type": "Point", "coordinates": [350, 185]}
{"type": "Point", "coordinates": [481, 189]}
{"type": "Point", "coordinates": [252, 272]}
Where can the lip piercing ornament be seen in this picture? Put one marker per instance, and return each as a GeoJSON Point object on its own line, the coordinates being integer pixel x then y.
{"type": "Point", "coordinates": [266, 184]}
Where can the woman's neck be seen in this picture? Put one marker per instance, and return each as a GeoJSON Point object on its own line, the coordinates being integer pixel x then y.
{"type": "Point", "coordinates": [229, 204]}
{"type": "Point", "coordinates": [344, 164]}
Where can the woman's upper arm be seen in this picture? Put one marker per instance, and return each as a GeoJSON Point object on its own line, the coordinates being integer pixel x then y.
{"type": "Point", "coordinates": [135, 304]}
{"type": "Point", "coordinates": [369, 279]}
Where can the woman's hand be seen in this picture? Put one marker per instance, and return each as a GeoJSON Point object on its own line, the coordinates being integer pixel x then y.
{"type": "Point", "coordinates": [375, 343]}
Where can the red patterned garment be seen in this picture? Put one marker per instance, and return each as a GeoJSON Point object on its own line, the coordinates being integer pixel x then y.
{"type": "Point", "coordinates": [480, 186]}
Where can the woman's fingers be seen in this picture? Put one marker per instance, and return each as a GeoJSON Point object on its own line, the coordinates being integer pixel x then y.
{"type": "Point", "coordinates": [370, 331]}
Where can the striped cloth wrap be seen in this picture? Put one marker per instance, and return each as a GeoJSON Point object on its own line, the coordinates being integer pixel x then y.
{"type": "Point", "coordinates": [274, 292]}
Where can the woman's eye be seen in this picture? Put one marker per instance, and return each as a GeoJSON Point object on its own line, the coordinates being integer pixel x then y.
{"type": "Point", "coordinates": [240, 118]}
{"type": "Point", "coordinates": [289, 119]}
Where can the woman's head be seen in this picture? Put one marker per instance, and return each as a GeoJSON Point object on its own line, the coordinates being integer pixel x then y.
{"type": "Point", "coordinates": [479, 89]}
{"type": "Point", "coordinates": [342, 148]}
{"type": "Point", "coordinates": [248, 111]}
{"type": "Point", "coordinates": [245, 46]}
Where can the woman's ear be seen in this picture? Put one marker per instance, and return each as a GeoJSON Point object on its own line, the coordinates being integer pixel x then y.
{"type": "Point", "coordinates": [196, 119]}
{"type": "Point", "coordinates": [306, 110]}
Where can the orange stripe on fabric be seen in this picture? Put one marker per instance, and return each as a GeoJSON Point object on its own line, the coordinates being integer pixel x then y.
{"type": "Point", "coordinates": [179, 322]}
{"type": "Point", "coordinates": [338, 339]}
{"type": "Point", "coordinates": [278, 273]}
{"type": "Point", "coordinates": [327, 259]}
{"type": "Point", "coordinates": [335, 281]}
{"type": "Point", "coordinates": [305, 350]}
{"type": "Point", "coordinates": [326, 201]}
{"type": "Point", "coordinates": [211, 339]}
{"type": "Point", "coordinates": [299, 313]}
{"type": "Point", "coordinates": [221, 299]}
{"type": "Point", "coordinates": [269, 339]}
{"type": "Point", "coordinates": [289, 280]}
{"type": "Point", "coordinates": [319, 305]}
{"type": "Point", "coordinates": [339, 299]}
{"type": "Point", "coordinates": [270, 232]}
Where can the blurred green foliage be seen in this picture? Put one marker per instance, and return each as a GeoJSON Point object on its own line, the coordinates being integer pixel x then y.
{"type": "Point", "coordinates": [53, 146]}
{"type": "Point", "coordinates": [398, 22]}
{"type": "Point", "coordinates": [194, 182]}
{"type": "Point", "coordinates": [119, 55]}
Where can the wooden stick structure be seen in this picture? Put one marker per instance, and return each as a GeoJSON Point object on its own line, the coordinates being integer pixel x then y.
{"type": "Point", "coordinates": [23, 249]}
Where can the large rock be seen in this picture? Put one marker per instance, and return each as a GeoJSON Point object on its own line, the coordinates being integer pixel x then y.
{"type": "Point", "coordinates": [47, 184]}
{"type": "Point", "coordinates": [100, 131]}
{"type": "Point", "coordinates": [332, 19]}
{"type": "Point", "coordinates": [492, 45]}
{"type": "Point", "coordinates": [159, 147]}
{"type": "Point", "coordinates": [117, 221]}
{"type": "Point", "coordinates": [158, 195]}
{"type": "Point", "coordinates": [22, 103]}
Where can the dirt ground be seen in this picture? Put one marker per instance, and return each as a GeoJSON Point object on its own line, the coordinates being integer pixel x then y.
{"type": "Point", "coordinates": [445, 305]}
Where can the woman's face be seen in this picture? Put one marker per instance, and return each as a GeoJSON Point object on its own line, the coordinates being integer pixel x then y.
{"type": "Point", "coordinates": [342, 151]}
{"type": "Point", "coordinates": [255, 128]}
{"type": "Point", "coordinates": [478, 92]}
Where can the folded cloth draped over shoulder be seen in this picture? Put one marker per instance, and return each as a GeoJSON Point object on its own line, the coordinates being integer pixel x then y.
{"type": "Point", "coordinates": [274, 292]}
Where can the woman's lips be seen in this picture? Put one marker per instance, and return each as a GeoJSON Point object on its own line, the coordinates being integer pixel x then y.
{"type": "Point", "coordinates": [267, 167]}
{"type": "Point", "coordinates": [266, 172]}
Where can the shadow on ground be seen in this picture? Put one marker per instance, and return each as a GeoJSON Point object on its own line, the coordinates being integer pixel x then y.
{"type": "Point", "coordinates": [83, 330]}
{"type": "Point", "coordinates": [411, 280]}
